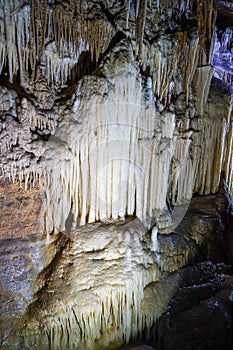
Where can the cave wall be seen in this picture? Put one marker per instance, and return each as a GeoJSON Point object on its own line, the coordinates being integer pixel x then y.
{"type": "Point", "coordinates": [66, 106]}
{"type": "Point", "coordinates": [116, 114]}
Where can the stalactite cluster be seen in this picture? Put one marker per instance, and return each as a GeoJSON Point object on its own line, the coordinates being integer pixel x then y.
{"type": "Point", "coordinates": [116, 110]}
{"type": "Point", "coordinates": [49, 34]}
{"type": "Point", "coordinates": [54, 35]}
{"type": "Point", "coordinates": [163, 133]}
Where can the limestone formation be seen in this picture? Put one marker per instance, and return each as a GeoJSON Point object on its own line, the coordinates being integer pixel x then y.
{"type": "Point", "coordinates": [162, 142]}
{"type": "Point", "coordinates": [118, 114]}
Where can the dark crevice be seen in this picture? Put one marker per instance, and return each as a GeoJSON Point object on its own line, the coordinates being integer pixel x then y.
{"type": "Point", "coordinates": [110, 17]}
{"type": "Point", "coordinates": [15, 85]}
{"type": "Point", "coordinates": [41, 135]}
{"type": "Point", "coordinates": [145, 72]}
{"type": "Point", "coordinates": [115, 40]}
{"type": "Point", "coordinates": [224, 17]}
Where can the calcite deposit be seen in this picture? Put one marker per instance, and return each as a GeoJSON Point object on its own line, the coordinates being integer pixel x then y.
{"type": "Point", "coordinates": [114, 117]}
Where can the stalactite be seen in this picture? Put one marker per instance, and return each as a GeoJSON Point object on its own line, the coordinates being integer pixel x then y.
{"type": "Point", "coordinates": [206, 15]}
{"type": "Point", "coordinates": [140, 24]}
{"type": "Point", "coordinates": [228, 159]}
{"type": "Point", "coordinates": [191, 61]}
{"type": "Point", "coordinates": [18, 151]}
{"type": "Point", "coordinates": [108, 182]}
{"type": "Point", "coordinates": [202, 78]}
{"type": "Point", "coordinates": [41, 34]}
{"type": "Point", "coordinates": [127, 8]}
{"type": "Point", "coordinates": [120, 189]}
{"type": "Point", "coordinates": [117, 311]}
{"type": "Point", "coordinates": [181, 170]}
{"type": "Point", "coordinates": [116, 308]}
{"type": "Point", "coordinates": [210, 145]}
{"type": "Point", "coordinates": [162, 59]}
{"type": "Point", "coordinates": [47, 23]}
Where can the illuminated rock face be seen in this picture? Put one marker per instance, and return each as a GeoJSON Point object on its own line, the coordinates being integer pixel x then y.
{"type": "Point", "coordinates": [110, 283]}
{"type": "Point", "coordinates": [131, 136]}
{"type": "Point", "coordinates": [111, 107]}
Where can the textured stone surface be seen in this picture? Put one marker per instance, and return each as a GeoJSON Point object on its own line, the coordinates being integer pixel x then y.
{"type": "Point", "coordinates": [164, 51]}
{"type": "Point", "coordinates": [112, 108]}
{"type": "Point", "coordinates": [20, 211]}
{"type": "Point", "coordinates": [96, 279]}
{"type": "Point", "coordinates": [200, 315]}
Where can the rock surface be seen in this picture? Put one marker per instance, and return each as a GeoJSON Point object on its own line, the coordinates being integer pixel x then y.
{"type": "Point", "coordinates": [112, 120]}
{"type": "Point", "coordinates": [108, 284]}
{"type": "Point", "coordinates": [63, 115]}
{"type": "Point", "coordinates": [200, 315]}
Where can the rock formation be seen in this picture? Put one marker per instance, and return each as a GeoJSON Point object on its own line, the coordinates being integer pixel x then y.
{"type": "Point", "coordinates": [116, 115]}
